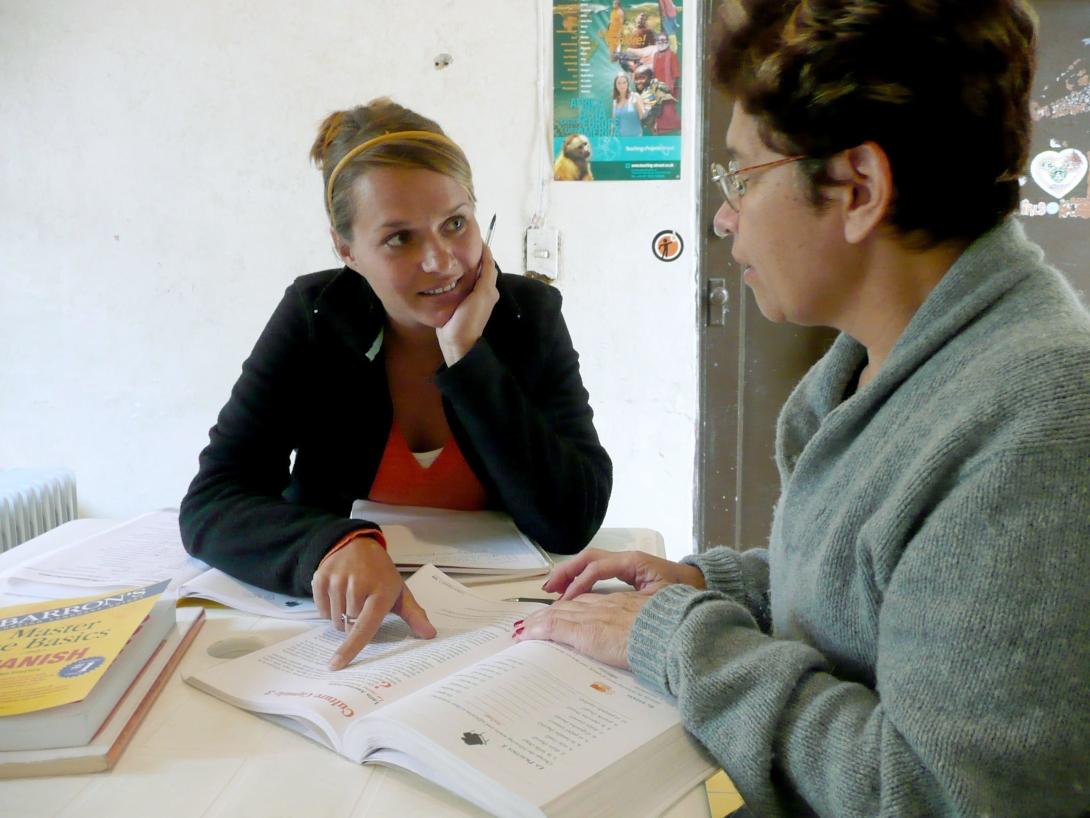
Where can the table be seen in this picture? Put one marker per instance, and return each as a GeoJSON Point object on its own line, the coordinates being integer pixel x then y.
{"type": "Point", "coordinates": [197, 757]}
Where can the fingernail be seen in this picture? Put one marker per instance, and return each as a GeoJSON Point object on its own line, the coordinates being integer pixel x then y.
{"type": "Point", "coordinates": [517, 624]}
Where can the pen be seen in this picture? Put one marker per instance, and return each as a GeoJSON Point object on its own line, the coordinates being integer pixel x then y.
{"type": "Point", "coordinates": [542, 600]}
{"type": "Point", "coordinates": [487, 241]}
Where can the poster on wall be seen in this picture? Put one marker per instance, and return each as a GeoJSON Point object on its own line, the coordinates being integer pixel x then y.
{"type": "Point", "coordinates": [1055, 193]}
{"type": "Point", "coordinates": [617, 90]}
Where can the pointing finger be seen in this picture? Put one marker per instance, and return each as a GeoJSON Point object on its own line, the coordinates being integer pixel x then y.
{"type": "Point", "coordinates": [367, 624]}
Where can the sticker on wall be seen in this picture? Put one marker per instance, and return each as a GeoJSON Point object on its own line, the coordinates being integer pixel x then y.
{"type": "Point", "coordinates": [616, 90]}
{"type": "Point", "coordinates": [667, 245]}
{"type": "Point", "coordinates": [1058, 172]}
{"type": "Point", "coordinates": [1057, 187]}
{"type": "Point", "coordinates": [1054, 197]}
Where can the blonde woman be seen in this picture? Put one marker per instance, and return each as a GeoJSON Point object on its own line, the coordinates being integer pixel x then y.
{"type": "Point", "coordinates": [415, 374]}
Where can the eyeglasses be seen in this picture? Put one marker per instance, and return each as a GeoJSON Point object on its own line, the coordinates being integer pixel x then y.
{"type": "Point", "coordinates": [730, 179]}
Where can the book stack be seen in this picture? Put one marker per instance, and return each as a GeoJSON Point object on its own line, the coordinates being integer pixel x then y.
{"type": "Point", "coordinates": [78, 675]}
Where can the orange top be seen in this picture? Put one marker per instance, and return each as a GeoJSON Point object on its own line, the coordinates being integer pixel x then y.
{"type": "Point", "coordinates": [448, 482]}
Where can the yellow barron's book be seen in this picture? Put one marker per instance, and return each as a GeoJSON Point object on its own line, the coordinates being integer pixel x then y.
{"type": "Point", "coordinates": [104, 749]}
{"type": "Point", "coordinates": [64, 664]}
{"type": "Point", "coordinates": [518, 728]}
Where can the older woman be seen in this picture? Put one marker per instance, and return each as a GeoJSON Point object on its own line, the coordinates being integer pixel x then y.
{"type": "Point", "coordinates": [415, 374]}
{"type": "Point", "coordinates": [915, 640]}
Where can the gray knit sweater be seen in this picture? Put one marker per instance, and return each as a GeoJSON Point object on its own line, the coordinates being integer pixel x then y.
{"type": "Point", "coordinates": [915, 641]}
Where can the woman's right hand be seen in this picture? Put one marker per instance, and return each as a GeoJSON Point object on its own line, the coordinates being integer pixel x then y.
{"type": "Point", "coordinates": [640, 570]}
{"type": "Point", "coordinates": [361, 581]}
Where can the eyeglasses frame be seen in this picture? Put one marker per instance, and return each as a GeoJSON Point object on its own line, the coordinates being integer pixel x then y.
{"type": "Point", "coordinates": [730, 181]}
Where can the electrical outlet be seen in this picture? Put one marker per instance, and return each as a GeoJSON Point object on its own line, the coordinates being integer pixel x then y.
{"type": "Point", "coordinates": [543, 251]}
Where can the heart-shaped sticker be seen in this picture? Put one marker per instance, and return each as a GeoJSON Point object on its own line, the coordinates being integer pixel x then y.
{"type": "Point", "coordinates": [1057, 172]}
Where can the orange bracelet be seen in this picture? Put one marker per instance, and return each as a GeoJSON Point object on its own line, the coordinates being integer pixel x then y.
{"type": "Point", "coordinates": [373, 533]}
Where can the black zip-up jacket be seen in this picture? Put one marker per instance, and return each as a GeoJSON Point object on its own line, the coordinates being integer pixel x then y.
{"type": "Point", "coordinates": [315, 386]}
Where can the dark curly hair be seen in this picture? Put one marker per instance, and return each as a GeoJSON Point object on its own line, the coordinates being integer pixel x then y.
{"type": "Point", "coordinates": [941, 85]}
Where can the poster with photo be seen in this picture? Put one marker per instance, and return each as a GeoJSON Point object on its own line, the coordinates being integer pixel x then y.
{"type": "Point", "coordinates": [1055, 192]}
{"type": "Point", "coordinates": [617, 90]}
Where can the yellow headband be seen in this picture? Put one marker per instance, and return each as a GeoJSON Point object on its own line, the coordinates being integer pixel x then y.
{"type": "Point", "coordinates": [360, 148]}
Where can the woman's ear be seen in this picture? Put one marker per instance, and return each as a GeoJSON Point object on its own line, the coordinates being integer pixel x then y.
{"type": "Point", "coordinates": [342, 248]}
{"type": "Point", "coordinates": [867, 185]}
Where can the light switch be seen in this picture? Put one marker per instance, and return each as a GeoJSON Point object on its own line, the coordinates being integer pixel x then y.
{"type": "Point", "coordinates": [543, 251]}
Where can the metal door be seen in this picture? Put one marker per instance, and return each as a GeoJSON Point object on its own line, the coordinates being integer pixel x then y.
{"type": "Point", "coordinates": [1055, 200]}
{"type": "Point", "coordinates": [748, 366]}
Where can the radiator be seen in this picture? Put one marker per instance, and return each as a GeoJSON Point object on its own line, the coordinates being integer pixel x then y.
{"type": "Point", "coordinates": [32, 501]}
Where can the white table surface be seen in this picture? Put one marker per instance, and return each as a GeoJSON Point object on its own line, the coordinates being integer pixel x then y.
{"type": "Point", "coordinates": [197, 757]}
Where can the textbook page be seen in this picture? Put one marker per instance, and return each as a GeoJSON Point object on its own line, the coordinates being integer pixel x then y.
{"type": "Point", "coordinates": [291, 677]}
{"type": "Point", "coordinates": [454, 541]}
{"type": "Point", "coordinates": [142, 551]}
{"type": "Point", "coordinates": [219, 587]}
{"type": "Point", "coordinates": [537, 717]}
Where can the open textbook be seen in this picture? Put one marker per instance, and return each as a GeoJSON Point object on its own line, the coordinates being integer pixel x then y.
{"type": "Point", "coordinates": [148, 549]}
{"type": "Point", "coordinates": [518, 728]}
{"type": "Point", "coordinates": [141, 551]}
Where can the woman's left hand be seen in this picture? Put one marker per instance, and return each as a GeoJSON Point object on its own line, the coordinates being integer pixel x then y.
{"type": "Point", "coordinates": [597, 625]}
{"type": "Point", "coordinates": [460, 333]}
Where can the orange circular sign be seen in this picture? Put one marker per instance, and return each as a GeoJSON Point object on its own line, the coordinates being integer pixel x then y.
{"type": "Point", "coordinates": [667, 245]}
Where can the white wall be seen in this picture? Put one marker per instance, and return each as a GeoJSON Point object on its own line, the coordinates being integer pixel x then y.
{"type": "Point", "coordinates": [156, 198]}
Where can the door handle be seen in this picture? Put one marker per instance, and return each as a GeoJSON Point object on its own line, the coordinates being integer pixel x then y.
{"type": "Point", "coordinates": [718, 299]}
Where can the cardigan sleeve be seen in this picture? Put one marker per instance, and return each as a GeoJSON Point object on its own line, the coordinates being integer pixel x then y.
{"type": "Point", "coordinates": [235, 516]}
{"type": "Point", "coordinates": [980, 704]}
{"type": "Point", "coordinates": [534, 434]}
{"type": "Point", "coordinates": [742, 576]}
